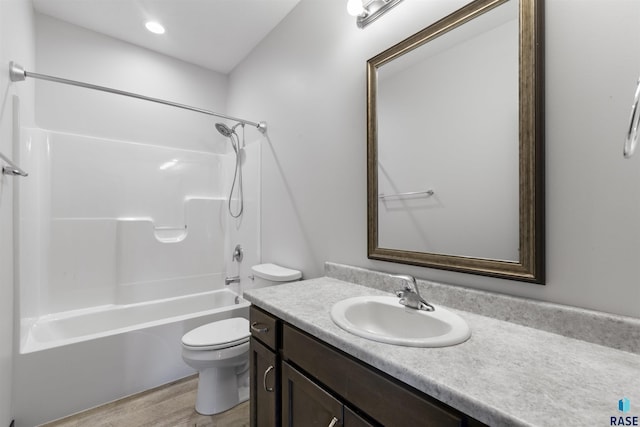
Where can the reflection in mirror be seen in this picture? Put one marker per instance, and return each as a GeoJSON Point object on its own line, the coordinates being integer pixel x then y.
{"type": "Point", "coordinates": [455, 173]}
{"type": "Point", "coordinates": [455, 138]}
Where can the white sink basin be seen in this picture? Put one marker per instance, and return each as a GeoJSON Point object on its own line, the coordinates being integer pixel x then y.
{"type": "Point", "coordinates": [384, 319]}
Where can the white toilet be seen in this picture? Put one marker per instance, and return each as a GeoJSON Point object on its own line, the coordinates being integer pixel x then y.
{"type": "Point", "coordinates": [220, 351]}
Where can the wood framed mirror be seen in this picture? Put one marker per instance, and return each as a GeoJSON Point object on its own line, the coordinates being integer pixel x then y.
{"type": "Point", "coordinates": [455, 144]}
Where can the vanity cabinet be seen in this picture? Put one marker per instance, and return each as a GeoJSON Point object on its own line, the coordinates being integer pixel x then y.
{"type": "Point", "coordinates": [264, 369]}
{"type": "Point", "coordinates": [316, 384]}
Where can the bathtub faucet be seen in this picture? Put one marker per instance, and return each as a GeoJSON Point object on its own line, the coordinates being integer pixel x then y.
{"type": "Point", "coordinates": [230, 280]}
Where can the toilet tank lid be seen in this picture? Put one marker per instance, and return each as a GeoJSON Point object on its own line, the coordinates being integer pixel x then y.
{"type": "Point", "coordinates": [275, 272]}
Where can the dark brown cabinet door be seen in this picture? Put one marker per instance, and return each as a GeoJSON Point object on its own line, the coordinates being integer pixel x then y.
{"type": "Point", "coordinates": [351, 419]}
{"type": "Point", "coordinates": [264, 371]}
{"type": "Point", "coordinates": [304, 404]}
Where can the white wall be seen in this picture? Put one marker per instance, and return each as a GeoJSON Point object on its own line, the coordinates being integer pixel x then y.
{"type": "Point", "coordinates": [72, 52]}
{"type": "Point", "coordinates": [314, 167]}
{"type": "Point", "coordinates": [16, 43]}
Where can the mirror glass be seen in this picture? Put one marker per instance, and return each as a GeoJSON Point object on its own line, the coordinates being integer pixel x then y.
{"type": "Point", "coordinates": [453, 144]}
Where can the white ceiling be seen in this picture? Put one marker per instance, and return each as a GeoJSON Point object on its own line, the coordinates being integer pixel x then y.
{"type": "Point", "coordinates": [215, 34]}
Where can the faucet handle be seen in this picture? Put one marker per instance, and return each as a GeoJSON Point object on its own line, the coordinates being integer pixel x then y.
{"type": "Point", "coordinates": [411, 294]}
{"type": "Point", "coordinates": [408, 282]}
{"type": "Point", "coordinates": [426, 306]}
{"type": "Point", "coordinates": [404, 277]}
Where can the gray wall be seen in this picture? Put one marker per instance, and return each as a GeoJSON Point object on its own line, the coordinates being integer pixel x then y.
{"type": "Point", "coordinates": [307, 79]}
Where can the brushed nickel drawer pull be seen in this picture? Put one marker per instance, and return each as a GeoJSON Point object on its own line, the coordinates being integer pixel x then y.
{"type": "Point", "coordinates": [264, 379]}
{"type": "Point", "coordinates": [255, 326]}
{"type": "Point", "coordinates": [333, 422]}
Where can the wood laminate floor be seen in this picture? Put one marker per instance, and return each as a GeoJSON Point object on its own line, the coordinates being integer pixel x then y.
{"type": "Point", "coordinates": [167, 406]}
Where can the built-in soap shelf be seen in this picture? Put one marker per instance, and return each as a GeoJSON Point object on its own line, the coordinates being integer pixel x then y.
{"type": "Point", "coordinates": [162, 233]}
{"type": "Point", "coordinates": [170, 234]}
{"type": "Point", "coordinates": [146, 251]}
{"type": "Point", "coordinates": [134, 252]}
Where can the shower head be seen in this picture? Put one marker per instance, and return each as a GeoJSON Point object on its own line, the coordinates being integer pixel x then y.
{"type": "Point", "coordinates": [229, 133]}
{"type": "Point", "coordinates": [224, 130]}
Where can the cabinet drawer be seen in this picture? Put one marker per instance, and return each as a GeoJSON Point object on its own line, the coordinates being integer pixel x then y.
{"type": "Point", "coordinates": [385, 400]}
{"type": "Point", "coordinates": [264, 327]}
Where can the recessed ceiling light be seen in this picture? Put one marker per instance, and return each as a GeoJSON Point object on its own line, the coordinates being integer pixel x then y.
{"type": "Point", "coordinates": [355, 7]}
{"type": "Point", "coordinates": [154, 27]}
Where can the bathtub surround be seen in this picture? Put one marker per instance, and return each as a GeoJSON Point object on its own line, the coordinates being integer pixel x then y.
{"type": "Point", "coordinates": [122, 239]}
{"type": "Point", "coordinates": [504, 375]}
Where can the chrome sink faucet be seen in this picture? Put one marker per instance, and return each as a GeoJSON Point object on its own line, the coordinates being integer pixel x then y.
{"type": "Point", "coordinates": [410, 295]}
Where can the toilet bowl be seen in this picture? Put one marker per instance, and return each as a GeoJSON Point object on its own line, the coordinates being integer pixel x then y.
{"type": "Point", "coordinates": [219, 351]}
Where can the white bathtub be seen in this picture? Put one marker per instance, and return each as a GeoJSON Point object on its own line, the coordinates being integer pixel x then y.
{"type": "Point", "coordinates": [55, 330]}
{"type": "Point", "coordinates": [76, 360]}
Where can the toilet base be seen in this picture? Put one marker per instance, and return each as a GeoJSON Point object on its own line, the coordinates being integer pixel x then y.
{"type": "Point", "coordinates": [222, 371]}
{"type": "Point", "coordinates": [219, 391]}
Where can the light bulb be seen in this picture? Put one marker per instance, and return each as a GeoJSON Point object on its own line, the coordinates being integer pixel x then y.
{"type": "Point", "coordinates": [154, 27]}
{"type": "Point", "coordinates": [355, 8]}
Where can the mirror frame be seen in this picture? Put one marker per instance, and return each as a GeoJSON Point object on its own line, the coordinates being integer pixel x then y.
{"type": "Point", "coordinates": [531, 264]}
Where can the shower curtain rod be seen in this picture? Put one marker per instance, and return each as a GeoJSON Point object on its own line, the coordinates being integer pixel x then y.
{"type": "Point", "coordinates": [18, 73]}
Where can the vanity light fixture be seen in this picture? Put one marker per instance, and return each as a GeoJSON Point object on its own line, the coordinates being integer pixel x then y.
{"type": "Point", "coordinates": [154, 27]}
{"type": "Point", "coordinates": [367, 11]}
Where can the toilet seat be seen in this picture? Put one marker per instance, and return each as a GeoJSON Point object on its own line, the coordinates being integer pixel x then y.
{"type": "Point", "coordinates": [218, 335]}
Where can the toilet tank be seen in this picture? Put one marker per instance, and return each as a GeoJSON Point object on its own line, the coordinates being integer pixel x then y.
{"type": "Point", "coordinates": [272, 274]}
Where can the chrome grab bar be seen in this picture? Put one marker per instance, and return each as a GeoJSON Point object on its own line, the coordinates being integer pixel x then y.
{"type": "Point", "coordinates": [11, 168]}
{"type": "Point", "coordinates": [427, 193]}
{"type": "Point", "coordinates": [632, 133]}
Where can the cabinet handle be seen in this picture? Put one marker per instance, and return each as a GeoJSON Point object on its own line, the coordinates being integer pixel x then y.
{"type": "Point", "coordinates": [264, 380]}
{"type": "Point", "coordinates": [333, 422]}
{"type": "Point", "coordinates": [261, 330]}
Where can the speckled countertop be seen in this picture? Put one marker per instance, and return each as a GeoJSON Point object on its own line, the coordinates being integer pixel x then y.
{"type": "Point", "coordinates": [504, 375]}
